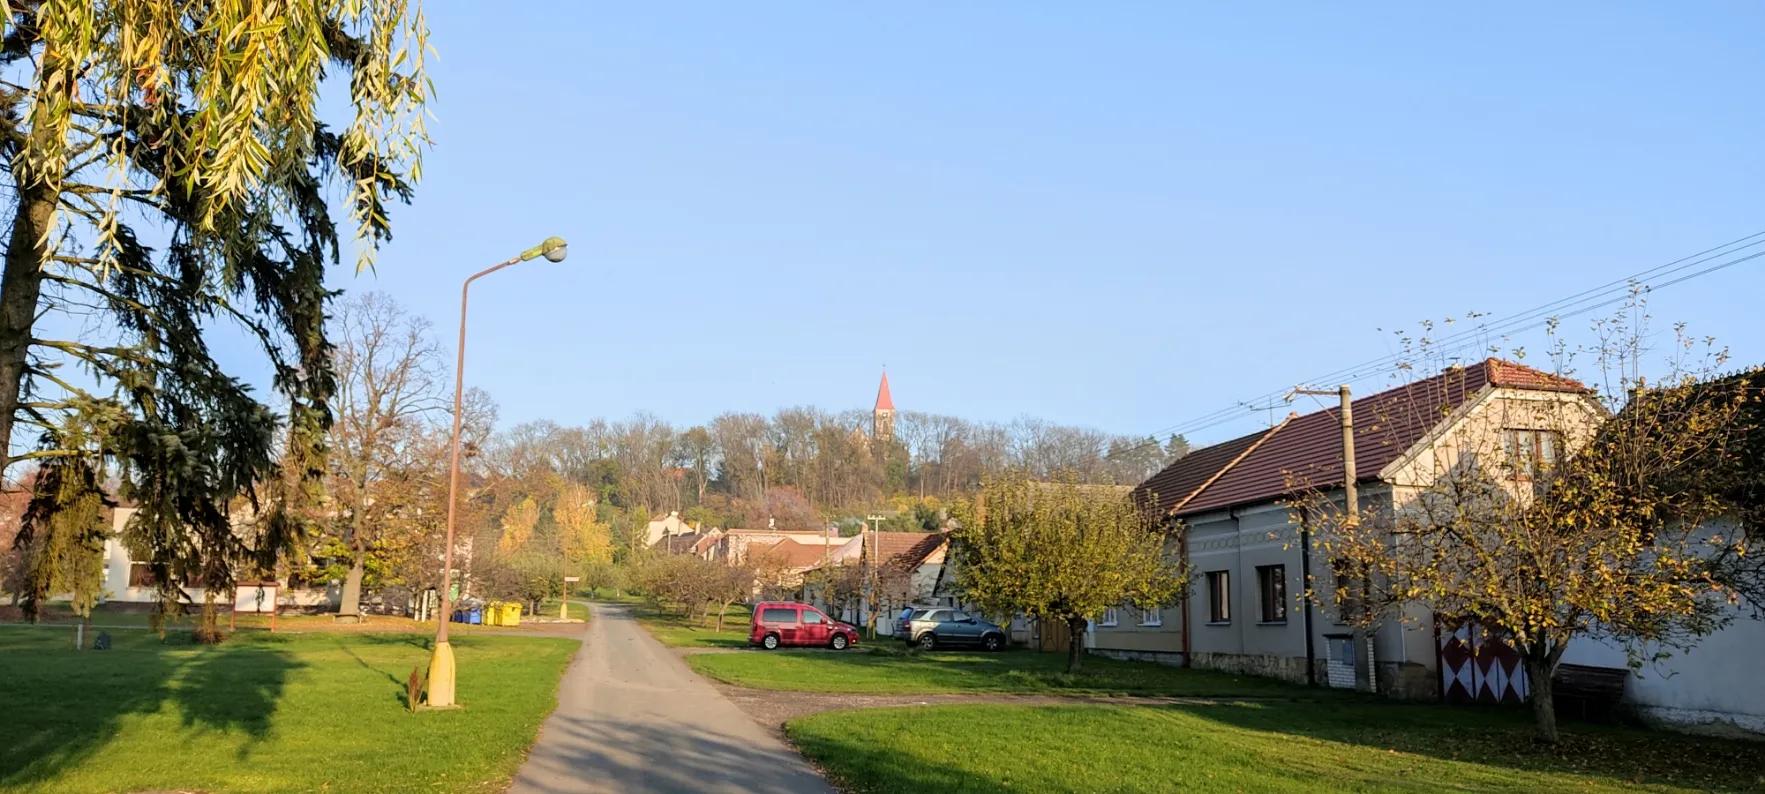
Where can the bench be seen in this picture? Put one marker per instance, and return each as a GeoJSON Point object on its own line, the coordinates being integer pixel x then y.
{"type": "Point", "coordinates": [1588, 693]}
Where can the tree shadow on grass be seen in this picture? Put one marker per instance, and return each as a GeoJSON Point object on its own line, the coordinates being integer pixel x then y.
{"type": "Point", "coordinates": [64, 705]}
{"type": "Point", "coordinates": [1502, 737]}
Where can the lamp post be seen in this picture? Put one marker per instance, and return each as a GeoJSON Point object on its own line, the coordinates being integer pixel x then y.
{"type": "Point", "coordinates": [441, 664]}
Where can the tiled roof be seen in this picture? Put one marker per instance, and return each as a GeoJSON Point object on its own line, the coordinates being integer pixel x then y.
{"type": "Point", "coordinates": [681, 544]}
{"type": "Point", "coordinates": [1263, 465]}
{"type": "Point", "coordinates": [792, 553]}
{"type": "Point", "coordinates": [915, 556]}
{"type": "Point", "coordinates": [888, 544]}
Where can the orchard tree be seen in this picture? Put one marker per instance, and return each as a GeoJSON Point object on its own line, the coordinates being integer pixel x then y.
{"type": "Point", "coordinates": [1062, 551]}
{"type": "Point", "coordinates": [584, 541]}
{"type": "Point", "coordinates": [200, 123]}
{"type": "Point", "coordinates": [1632, 512]}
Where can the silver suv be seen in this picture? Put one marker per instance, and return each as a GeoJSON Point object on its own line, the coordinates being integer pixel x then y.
{"type": "Point", "coordinates": [940, 627]}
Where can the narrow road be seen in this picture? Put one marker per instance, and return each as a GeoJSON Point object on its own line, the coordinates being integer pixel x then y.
{"type": "Point", "coordinates": [633, 718]}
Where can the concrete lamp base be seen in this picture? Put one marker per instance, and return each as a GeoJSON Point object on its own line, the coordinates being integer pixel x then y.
{"type": "Point", "coordinates": [441, 677]}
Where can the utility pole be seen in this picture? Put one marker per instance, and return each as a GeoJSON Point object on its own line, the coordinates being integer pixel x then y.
{"type": "Point", "coordinates": [870, 564]}
{"type": "Point", "coordinates": [1363, 649]}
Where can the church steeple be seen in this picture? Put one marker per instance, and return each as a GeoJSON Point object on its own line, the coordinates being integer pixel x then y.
{"type": "Point", "coordinates": [882, 417]}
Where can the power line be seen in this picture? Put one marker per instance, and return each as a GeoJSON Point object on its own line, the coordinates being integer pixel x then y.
{"type": "Point", "coordinates": [1530, 319]}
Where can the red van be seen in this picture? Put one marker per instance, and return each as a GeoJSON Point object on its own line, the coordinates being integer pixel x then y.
{"type": "Point", "coordinates": [783, 623]}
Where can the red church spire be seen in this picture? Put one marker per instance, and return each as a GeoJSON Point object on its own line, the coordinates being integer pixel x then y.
{"type": "Point", "coordinates": [883, 401]}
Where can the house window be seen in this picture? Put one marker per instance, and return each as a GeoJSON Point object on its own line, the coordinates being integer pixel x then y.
{"type": "Point", "coordinates": [140, 575]}
{"type": "Point", "coordinates": [1271, 585]}
{"type": "Point", "coordinates": [1109, 617]}
{"type": "Point", "coordinates": [1151, 617]}
{"type": "Point", "coordinates": [1529, 453]}
{"type": "Point", "coordinates": [1219, 596]}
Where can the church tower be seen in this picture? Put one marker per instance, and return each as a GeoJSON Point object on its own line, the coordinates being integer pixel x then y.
{"type": "Point", "coordinates": [882, 417]}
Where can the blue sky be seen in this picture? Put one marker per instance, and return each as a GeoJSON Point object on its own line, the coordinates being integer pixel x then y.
{"type": "Point", "coordinates": [1120, 218]}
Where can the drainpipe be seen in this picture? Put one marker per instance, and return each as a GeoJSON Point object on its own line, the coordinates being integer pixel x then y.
{"type": "Point", "coordinates": [1183, 552]}
{"type": "Point", "coordinates": [1311, 666]}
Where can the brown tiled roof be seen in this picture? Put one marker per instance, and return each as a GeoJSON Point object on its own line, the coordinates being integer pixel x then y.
{"type": "Point", "coordinates": [915, 556]}
{"type": "Point", "coordinates": [1308, 449]}
{"type": "Point", "coordinates": [793, 554]}
{"type": "Point", "coordinates": [1185, 477]}
{"type": "Point", "coordinates": [888, 544]}
{"type": "Point", "coordinates": [681, 544]}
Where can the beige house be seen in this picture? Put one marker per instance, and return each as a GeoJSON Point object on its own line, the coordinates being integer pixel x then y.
{"type": "Point", "coordinates": [1246, 610]}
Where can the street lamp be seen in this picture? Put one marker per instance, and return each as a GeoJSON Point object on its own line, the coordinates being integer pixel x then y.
{"type": "Point", "coordinates": [441, 664]}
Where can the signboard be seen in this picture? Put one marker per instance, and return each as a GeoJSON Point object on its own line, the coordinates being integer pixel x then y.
{"type": "Point", "coordinates": [572, 579]}
{"type": "Point", "coordinates": [255, 598]}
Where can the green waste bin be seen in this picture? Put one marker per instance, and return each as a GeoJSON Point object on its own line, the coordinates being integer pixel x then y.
{"type": "Point", "coordinates": [511, 615]}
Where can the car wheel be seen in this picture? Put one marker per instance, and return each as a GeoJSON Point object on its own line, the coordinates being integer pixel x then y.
{"type": "Point", "coordinates": [839, 642]}
{"type": "Point", "coordinates": [928, 641]}
{"type": "Point", "coordinates": [770, 642]}
{"type": "Point", "coordinates": [992, 642]}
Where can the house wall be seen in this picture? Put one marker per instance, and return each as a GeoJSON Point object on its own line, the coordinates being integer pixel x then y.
{"type": "Point", "coordinates": [1714, 687]}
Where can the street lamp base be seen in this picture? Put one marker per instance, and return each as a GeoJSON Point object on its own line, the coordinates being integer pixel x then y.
{"type": "Point", "coordinates": [441, 677]}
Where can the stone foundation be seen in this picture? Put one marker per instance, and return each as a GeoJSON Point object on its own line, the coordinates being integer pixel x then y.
{"type": "Point", "coordinates": [1168, 658]}
{"type": "Point", "coordinates": [1279, 667]}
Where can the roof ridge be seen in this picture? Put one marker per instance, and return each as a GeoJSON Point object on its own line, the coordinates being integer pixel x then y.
{"type": "Point", "coordinates": [1291, 415]}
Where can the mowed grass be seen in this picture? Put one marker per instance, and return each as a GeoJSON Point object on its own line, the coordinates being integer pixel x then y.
{"type": "Point", "coordinates": [1011, 672]}
{"type": "Point", "coordinates": [687, 631]}
{"type": "Point", "coordinates": [265, 713]}
{"type": "Point", "coordinates": [1262, 747]}
{"type": "Point", "coordinates": [549, 609]}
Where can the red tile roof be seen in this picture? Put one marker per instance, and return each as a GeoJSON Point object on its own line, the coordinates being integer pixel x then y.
{"type": "Point", "coordinates": [1261, 466]}
{"type": "Point", "coordinates": [793, 554]}
{"type": "Point", "coordinates": [914, 557]}
{"type": "Point", "coordinates": [883, 401]}
{"type": "Point", "coordinates": [888, 544]}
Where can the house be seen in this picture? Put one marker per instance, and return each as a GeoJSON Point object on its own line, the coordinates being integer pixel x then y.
{"type": "Point", "coordinates": [733, 545]}
{"type": "Point", "coordinates": [912, 568]}
{"type": "Point", "coordinates": [1246, 610]}
{"type": "Point", "coordinates": [666, 526]}
{"type": "Point", "coordinates": [781, 564]}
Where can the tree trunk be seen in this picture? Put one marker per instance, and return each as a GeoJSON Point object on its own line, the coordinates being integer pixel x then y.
{"type": "Point", "coordinates": [1544, 708]}
{"type": "Point", "coordinates": [721, 611]}
{"type": "Point", "coordinates": [21, 287]}
{"type": "Point", "coordinates": [352, 587]}
{"type": "Point", "coordinates": [1075, 644]}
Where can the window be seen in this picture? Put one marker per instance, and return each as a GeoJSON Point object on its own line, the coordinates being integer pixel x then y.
{"type": "Point", "coordinates": [1529, 453]}
{"type": "Point", "coordinates": [1109, 617]}
{"type": "Point", "coordinates": [921, 614]}
{"type": "Point", "coordinates": [1219, 596]}
{"type": "Point", "coordinates": [1151, 617]}
{"type": "Point", "coordinates": [960, 617]}
{"type": "Point", "coordinates": [140, 575]}
{"type": "Point", "coordinates": [776, 615]}
{"type": "Point", "coordinates": [1271, 584]}
{"type": "Point", "coordinates": [811, 617]}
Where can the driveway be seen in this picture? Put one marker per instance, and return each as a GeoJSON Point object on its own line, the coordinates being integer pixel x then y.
{"type": "Point", "coordinates": [632, 717]}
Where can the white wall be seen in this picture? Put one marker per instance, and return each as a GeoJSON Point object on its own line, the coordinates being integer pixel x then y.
{"type": "Point", "coordinates": [1714, 685]}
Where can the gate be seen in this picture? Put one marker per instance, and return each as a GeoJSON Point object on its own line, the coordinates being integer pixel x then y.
{"type": "Point", "coordinates": [1053, 635]}
{"type": "Point", "coordinates": [1478, 665]}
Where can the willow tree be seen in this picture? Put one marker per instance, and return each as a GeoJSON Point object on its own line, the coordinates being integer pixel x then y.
{"type": "Point", "coordinates": [1062, 551]}
{"type": "Point", "coordinates": [199, 123]}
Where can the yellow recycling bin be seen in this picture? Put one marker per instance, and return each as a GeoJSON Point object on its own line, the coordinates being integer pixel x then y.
{"type": "Point", "coordinates": [511, 615]}
{"type": "Point", "coordinates": [493, 613]}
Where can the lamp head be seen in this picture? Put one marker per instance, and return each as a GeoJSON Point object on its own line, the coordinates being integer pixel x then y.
{"type": "Point", "coordinates": [553, 249]}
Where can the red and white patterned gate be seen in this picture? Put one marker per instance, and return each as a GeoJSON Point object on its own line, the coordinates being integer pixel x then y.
{"type": "Point", "coordinates": [1477, 665]}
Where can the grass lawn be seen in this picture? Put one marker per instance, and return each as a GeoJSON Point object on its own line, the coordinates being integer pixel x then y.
{"type": "Point", "coordinates": [265, 713]}
{"type": "Point", "coordinates": [550, 610]}
{"type": "Point", "coordinates": [1008, 672]}
{"type": "Point", "coordinates": [673, 629]}
{"type": "Point", "coordinates": [1265, 747]}
{"type": "Point", "coordinates": [109, 617]}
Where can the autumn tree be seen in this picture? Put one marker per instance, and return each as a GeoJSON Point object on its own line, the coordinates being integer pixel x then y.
{"type": "Point", "coordinates": [583, 539]}
{"type": "Point", "coordinates": [1629, 512]}
{"type": "Point", "coordinates": [202, 128]}
{"type": "Point", "coordinates": [389, 376]}
{"type": "Point", "coordinates": [1062, 551]}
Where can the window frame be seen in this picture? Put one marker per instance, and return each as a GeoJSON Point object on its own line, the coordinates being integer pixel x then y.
{"type": "Point", "coordinates": [140, 574]}
{"type": "Point", "coordinates": [1219, 597]}
{"type": "Point", "coordinates": [1528, 452]}
{"type": "Point", "coordinates": [1271, 591]}
{"type": "Point", "coordinates": [1109, 618]}
{"type": "Point", "coordinates": [1152, 617]}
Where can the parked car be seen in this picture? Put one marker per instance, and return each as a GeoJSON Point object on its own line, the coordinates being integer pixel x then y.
{"type": "Point", "coordinates": [778, 623]}
{"type": "Point", "coordinates": [939, 627]}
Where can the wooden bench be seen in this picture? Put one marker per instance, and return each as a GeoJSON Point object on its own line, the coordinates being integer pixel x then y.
{"type": "Point", "coordinates": [1588, 693]}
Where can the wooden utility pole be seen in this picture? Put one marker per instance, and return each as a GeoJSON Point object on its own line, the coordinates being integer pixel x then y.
{"type": "Point", "coordinates": [1363, 649]}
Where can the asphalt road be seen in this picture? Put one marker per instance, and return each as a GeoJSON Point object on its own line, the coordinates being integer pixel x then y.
{"type": "Point", "coordinates": [633, 718]}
